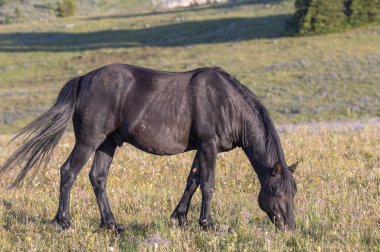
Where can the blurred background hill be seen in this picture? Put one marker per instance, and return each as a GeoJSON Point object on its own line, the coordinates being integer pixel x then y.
{"type": "Point", "coordinates": [300, 79]}
{"type": "Point", "coordinates": [12, 11]}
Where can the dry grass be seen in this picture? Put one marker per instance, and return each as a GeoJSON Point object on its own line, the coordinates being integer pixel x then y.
{"type": "Point", "coordinates": [336, 206]}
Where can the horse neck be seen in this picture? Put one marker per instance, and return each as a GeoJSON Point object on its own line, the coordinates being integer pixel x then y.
{"type": "Point", "coordinates": [262, 147]}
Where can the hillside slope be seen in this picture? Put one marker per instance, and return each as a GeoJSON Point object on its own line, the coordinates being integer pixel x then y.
{"type": "Point", "coordinates": [12, 11]}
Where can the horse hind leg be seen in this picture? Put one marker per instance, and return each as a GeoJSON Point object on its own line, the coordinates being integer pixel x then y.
{"type": "Point", "coordinates": [98, 177]}
{"type": "Point", "coordinates": [69, 172]}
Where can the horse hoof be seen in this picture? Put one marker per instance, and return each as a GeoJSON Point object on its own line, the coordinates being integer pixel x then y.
{"type": "Point", "coordinates": [173, 221]}
{"type": "Point", "coordinates": [206, 224]}
{"type": "Point", "coordinates": [118, 228]}
{"type": "Point", "coordinates": [62, 225]}
{"type": "Point", "coordinates": [176, 217]}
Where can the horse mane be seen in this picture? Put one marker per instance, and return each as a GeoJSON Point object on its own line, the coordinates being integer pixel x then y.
{"type": "Point", "coordinates": [273, 148]}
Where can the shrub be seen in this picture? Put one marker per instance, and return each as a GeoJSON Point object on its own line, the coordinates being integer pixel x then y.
{"type": "Point", "coordinates": [363, 11]}
{"type": "Point", "coordinates": [322, 16]}
{"type": "Point", "coordinates": [2, 2]}
{"type": "Point", "coordinates": [66, 8]}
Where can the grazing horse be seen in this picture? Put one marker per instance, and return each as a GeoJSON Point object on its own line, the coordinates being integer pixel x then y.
{"type": "Point", "coordinates": [163, 113]}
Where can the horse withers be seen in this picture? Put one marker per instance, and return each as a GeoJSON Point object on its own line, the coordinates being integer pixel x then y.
{"type": "Point", "coordinates": [163, 113]}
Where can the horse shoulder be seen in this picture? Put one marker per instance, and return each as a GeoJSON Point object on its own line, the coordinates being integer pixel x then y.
{"type": "Point", "coordinates": [216, 114]}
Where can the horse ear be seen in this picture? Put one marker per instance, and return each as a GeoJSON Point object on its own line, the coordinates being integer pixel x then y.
{"type": "Point", "coordinates": [293, 167]}
{"type": "Point", "coordinates": [276, 169]}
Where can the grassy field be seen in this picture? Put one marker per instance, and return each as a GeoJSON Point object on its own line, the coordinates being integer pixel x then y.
{"type": "Point", "coordinates": [299, 79]}
{"type": "Point", "coordinates": [336, 206]}
{"type": "Point", "coordinates": [330, 77]}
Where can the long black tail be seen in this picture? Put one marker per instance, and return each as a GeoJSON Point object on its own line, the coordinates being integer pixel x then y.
{"type": "Point", "coordinates": [43, 134]}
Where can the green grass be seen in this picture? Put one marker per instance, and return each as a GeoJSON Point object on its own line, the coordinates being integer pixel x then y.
{"type": "Point", "coordinates": [336, 204]}
{"type": "Point", "coordinates": [329, 77]}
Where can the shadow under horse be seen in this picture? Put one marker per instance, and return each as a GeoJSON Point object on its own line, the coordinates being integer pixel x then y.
{"type": "Point", "coordinates": [163, 113]}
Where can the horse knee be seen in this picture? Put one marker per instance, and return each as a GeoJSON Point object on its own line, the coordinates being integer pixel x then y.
{"type": "Point", "coordinates": [65, 169]}
{"type": "Point", "coordinates": [67, 175]}
{"type": "Point", "coordinates": [97, 180]}
{"type": "Point", "coordinates": [207, 188]}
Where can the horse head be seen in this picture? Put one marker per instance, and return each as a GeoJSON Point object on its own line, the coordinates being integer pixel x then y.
{"type": "Point", "coordinates": [277, 194]}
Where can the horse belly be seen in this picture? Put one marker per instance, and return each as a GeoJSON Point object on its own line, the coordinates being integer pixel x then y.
{"type": "Point", "coordinates": [160, 139]}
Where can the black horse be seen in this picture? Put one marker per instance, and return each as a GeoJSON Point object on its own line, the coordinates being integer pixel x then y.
{"type": "Point", "coordinates": [163, 113]}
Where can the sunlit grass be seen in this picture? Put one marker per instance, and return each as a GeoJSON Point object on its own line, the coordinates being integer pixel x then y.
{"type": "Point", "coordinates": [336, 205]}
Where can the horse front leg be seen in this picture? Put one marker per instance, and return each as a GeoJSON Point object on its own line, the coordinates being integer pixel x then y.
{"type": "Point", "coordinates": [98, 177]}
{"type": "Point", "coordinates": [193, 180]}
{"type": "Point", "coordinates": [207, 163]}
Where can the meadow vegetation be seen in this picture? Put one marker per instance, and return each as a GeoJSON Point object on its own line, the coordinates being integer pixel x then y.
{"type": "Point", "coordinates": [66, 8]}
{"type": "Point", "coordinates": [299, 79]}
{"type": "Point", "coordinates": [336, 204]}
